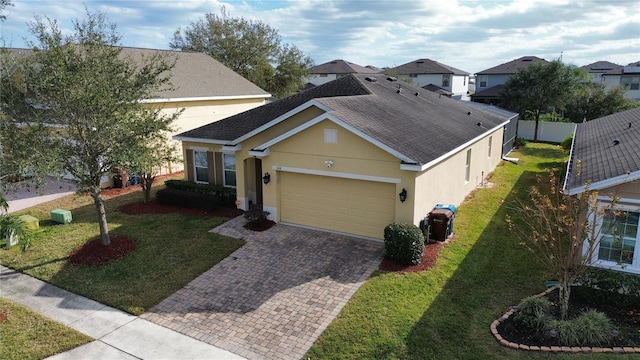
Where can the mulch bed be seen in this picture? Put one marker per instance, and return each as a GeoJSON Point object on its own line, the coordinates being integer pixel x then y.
{"type": "Point", "coordinates": [429, 258]}
{"type": "Point", "coordinates": [154, 207]}
{"type": "Point", "coordinates": [259, 225]}
{"type": "Point", "coordinates": [94, 253]}
{"type": "Point", "coordinates": [625, 319]}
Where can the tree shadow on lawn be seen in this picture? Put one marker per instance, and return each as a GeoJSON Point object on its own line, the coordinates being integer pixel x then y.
{"type": "Point", "coordinates": [136, 281]}
{"type": "Point", "coordinates": [496, 273]}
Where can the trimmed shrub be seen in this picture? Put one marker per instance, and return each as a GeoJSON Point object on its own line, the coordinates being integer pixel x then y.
{"type": "Point", "coordinates": [521, 142]}
{"type": "Point", "coordinates": [187, 199]}
{"type": "Point", "coordinates": [613, 285]}
{"type": "Point", "coordinates": [226, 196]}
{"type": "Point", "coordinates": [403, 243]}
{"type": "Point", "coordinates": [533, 313]}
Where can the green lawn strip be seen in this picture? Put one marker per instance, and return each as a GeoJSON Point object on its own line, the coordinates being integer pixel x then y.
{"type": "Point", "coordinates": [171, 250]}
{"type": "Point", "coordinates": [25, 334]}
{"type": "Point", "coordinates": [445, 312]}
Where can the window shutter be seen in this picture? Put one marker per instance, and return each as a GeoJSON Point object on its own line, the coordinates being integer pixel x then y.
{"type": "Point", "coordinates": [210, 168]}
{"type": "Point", "coordinates": [190, 168]}
{"type": "Point", "coordinates": [219, 168]}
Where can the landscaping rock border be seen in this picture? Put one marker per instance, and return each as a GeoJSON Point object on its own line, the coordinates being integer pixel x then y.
{"type": "Point", "coordinates": [569, 349]}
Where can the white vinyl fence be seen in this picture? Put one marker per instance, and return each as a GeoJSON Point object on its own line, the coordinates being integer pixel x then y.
{"type": "Point", "coordinates": [547, 131]}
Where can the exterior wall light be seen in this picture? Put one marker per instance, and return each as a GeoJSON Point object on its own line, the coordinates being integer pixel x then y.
{"type": "Point", "coordinates": [266, 178]}
{"type": "Point", "coordinates": [403, 195]}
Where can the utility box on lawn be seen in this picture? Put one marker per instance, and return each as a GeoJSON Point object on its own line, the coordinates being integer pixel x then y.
{"type": "Point", "coordinates": [31, 222]}
{"type": "Point", "coordinates": [61, 216]}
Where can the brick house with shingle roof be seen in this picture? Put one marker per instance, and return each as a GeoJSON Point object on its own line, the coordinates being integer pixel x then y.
{"type": "Point", "coordinates": [606, 155]}
{"type": "Point", "coordinates": [336, 156]}
{"type": "Point", "coordinates": [206, 89]}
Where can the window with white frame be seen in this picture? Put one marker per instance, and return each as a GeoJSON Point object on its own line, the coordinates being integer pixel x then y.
{"type": "Point", "coordinates": [482, 80]}
{"type": "Point", "coordinates": [619, 237]}
{"type": "Point", "coordinates": [630, 82]}
{"type": "Point", "coordinates": [489, 146]}
{"type": "Point", "coordinates": [467, 167]}
{"type": "Point", "coordinates": [323, 75]}
{"type": "Point", "coordinates": [413, 75]}
{"type": "Point", "coordinates": [446, 80]}
{"type": "Point", "coordinates": [201, 166]}
{"type": "Point", "coordinates": [229, 169]}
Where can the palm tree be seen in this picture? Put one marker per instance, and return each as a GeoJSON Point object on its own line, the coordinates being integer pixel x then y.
{"type": "Point", "coordinates": [12, 227]}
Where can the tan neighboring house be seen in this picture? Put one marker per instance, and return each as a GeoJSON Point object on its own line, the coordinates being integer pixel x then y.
{"type": "Point", "coordinates": [338, 156]}
{"type": "Point", "coordinates": [627, 76]}
{"type": "Point", "coordinates": [335, 69]}
{"type": "Point", "coordinates": [599, 68]}
{"type": "Point", "coordinates": [204, 88]}
{"type": "Point", "coordinates": [608, 150]}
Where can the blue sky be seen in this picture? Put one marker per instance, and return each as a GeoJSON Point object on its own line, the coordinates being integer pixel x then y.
{"type": "Point", "coordinates": [471, 35]}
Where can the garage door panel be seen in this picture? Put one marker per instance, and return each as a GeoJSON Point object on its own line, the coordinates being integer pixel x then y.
{"type": "Point", "coordinates": [346, 205]}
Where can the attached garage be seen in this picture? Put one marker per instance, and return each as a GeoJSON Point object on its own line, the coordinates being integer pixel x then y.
{"type": "Point", "coordinates": [345, 205]}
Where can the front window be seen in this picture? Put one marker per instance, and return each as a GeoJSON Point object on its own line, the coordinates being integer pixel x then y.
{"type": "Point", "coordinates": [619, 236]}
{"type": "Point", "coordinates": [482, 80]}
{"type": "Point", "coordinates": [489, 147]}
{"type": "Point", "coordinates": [229, 170]}
{"type": "Point", "coordinates": [630, 82]}
{"type": "Point", "coordinates": [201, 166]}
{"type": "Point", "coordinates": [446, 80]}
{"type": "Point", "coordinates": [413, 75]}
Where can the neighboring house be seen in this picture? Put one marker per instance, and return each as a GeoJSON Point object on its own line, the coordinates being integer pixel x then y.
{"type": "Point", "coordinates": [425, 72]}
{"type": "Point", "coordinates": [607, 153]}
{"type": "Point", "coordinates": [627, 76]}
{"type": "Point", "coordinates": [490, 82]}
{"type": "Point", "coordinates": [329, 71]}
{"type": "Point", "coordinates": [206, 89]}
{"type": "Point", "coordinates": [597, 69]}
{"type": "Point", "coordinates": [339, 155]}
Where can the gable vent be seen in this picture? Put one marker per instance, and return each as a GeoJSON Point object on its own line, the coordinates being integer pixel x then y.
{"type": "Point", "coordinates": [371, 79]}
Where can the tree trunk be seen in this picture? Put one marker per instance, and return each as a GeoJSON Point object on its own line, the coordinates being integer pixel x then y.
{"type": "Point", "coordinates": [147, 182]}
{"type": "Point", "coordinates": [564, 292]}
{"type": "Point", "coordinates": [535, 131]}
{"type": "Point", "coordinates": [102, 218]}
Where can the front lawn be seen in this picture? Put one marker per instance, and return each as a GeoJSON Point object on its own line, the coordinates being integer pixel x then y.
{"type": "Point", "coordinates": [446, 311]}
{"type": "Point", "coordinates": [171, 250]}
{"type": "Point", "coordinates": [25, 334]}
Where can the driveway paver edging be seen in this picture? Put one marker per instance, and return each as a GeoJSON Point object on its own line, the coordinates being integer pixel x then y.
{"type": "Point", "coordinates": [272, 298]}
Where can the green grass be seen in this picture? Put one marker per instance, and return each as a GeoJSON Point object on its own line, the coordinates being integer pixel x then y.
{"type": "Point", "coordinates": [25, 334]}
{"type": "Point", "coordinates": [445, 312]}
{"type": "Point", "coordinates": [171, 250]}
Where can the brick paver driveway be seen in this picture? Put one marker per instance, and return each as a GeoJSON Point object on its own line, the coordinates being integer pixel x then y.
{"type": "Point", "coordinates": [272, 298]}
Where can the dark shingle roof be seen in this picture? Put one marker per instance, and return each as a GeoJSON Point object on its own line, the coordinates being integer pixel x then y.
{"type": "Point", "coordinates": [197, 75]}
{"type": "Point", "coordinates": [427, 66]}
{"type": "Point", "coordinates": [621, 70]}
{"type": "Point", "coordinates": [233, 127]}
{"type": "Point", "coordinates": [599, 67]}
{"type": "Point", "coordinates": [437, 89]}
{"type": "Point", "coordinates": [341, 67]}
{"type": "Point", "coordinates": [422, 127]}
{"type": "Point", "coordinates": [607, 147]}
{"type": "Point", "coordinates": [494, 91]}
{"type": "Point", "coordinates": [512, 66]}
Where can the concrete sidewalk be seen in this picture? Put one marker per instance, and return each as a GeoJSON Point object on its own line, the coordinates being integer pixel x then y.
{"type": "Point", "coordinates": [118, 335]}
{"type": "Point", "coordinates": [25, 197]}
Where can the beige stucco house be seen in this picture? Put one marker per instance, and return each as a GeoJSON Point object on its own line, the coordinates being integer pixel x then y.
{"type": "Point", "coordinates": [337, 156]}
{"type": "Point", "coordinates": [203, 88]}
{"type": "Point", "coordinates": [607, 153]}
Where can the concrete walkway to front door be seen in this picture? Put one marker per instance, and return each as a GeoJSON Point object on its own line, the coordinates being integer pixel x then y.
{"type": "Point", "coordinates": [272, 298]}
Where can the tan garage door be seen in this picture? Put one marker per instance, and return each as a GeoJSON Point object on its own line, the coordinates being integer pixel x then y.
{"type": "Point", "coordinates": [345, 205]}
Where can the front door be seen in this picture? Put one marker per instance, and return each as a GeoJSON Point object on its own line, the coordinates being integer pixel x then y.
{"type": "Point", "coordinates": [259, 184]}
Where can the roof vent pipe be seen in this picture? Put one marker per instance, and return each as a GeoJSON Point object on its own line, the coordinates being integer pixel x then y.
{"type": "Point", "coordinates": [469, 113]}
{"type": "Point", "coordinates": [629, 125]}
{"type": "Point", "coordinates": [417, 94]}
